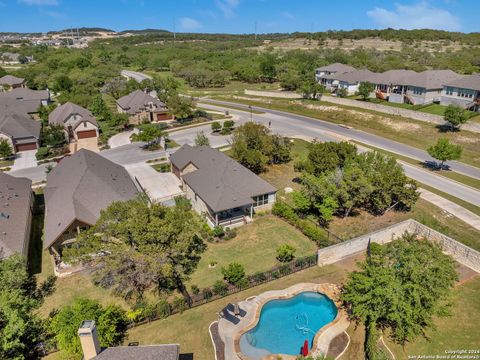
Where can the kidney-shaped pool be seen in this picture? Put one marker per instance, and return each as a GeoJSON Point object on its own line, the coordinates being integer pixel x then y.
{"type": "Point", "coordinates": [285, 324]}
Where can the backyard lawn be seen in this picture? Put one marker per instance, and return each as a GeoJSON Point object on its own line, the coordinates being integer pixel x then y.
{"type": "Point", "coordinates": [254, 247]}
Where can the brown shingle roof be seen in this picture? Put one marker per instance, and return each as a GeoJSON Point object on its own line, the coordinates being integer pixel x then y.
{"type": "Point", "coordinates": [63, 112]}
{"type": "Point", "coordinates": [471, 82]}
{"type": "Point", "coordinates": [220, 181]}
{"type": "Point", "coordinates": [15, 197]}
{"type": "Point", "coordinates": [79, 188]}
{"type": "Point", "coordinates": [146, 352]}
{"type": "Point", "coordinates": [138, 101]}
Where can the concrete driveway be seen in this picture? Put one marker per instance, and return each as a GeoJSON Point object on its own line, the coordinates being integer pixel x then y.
{"type": "Point", "coordinates": [121, 139]}
{"type": "Point", "coordinates": [25, 159]}
{"type": "Point", "coordinates": [159, 187]}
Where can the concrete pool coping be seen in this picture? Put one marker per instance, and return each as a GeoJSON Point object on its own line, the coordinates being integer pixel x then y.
{"type": "Point", "coordinates": [255, 304]}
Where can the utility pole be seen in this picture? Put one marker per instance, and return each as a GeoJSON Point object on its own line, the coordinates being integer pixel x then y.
{"type": "Point", "coordinates": [174, 32]}
{"type": "Point", "coordinates": [255, 30]}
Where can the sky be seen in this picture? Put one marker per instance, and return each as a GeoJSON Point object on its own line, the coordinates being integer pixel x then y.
{"type": "Point", "coordinates": [238, 16]}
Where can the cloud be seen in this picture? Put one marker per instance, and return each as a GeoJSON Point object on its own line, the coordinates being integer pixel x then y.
{"type": "Point", "coordinates": [189, 24]}
{"type": "Point", "coordinates": [53, 14]}
{"type": "Point", "coordinates": [418, 16]}
{"type": "Point", "coordinates": [40, 2]}
{"type": "Point", "coordinates": [227, 7]}
{"type": "Point", "coordinates": [288, 15]}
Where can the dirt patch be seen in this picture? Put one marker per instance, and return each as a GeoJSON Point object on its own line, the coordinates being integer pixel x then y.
{"type": "Point", "coordinates": [364, 115]}
{"type": "Point", "coordinates": [400, 126]}
{"type": "Point", "coordinates": [337, 345]}
{"type": "Point", "coordinates": [467, 140]}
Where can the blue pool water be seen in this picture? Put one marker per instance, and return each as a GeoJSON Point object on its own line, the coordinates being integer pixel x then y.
{"type": "Point", "coordinates": [285, 324]}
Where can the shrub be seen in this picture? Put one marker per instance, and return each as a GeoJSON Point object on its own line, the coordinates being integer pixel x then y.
{"type": "Point", "coordinates": [242, 283]}
{"type": "Point", "coordinates": [179, 304]}
{"type": "Point", "coordinates": [216, 127]}
{"type": "Point", "coordinates": [220, 288]}
{"type": "Point", "coordinates": [207, 294]}
{"type": "Point", "coordinates": [42, 153]}
{"type": "Point", "coordinates": [218, 231]}
{"type": "Point", "coordinates": [230, 234]}
{"type": "Point", "coordinates": [195, 289]}
{"type": "Point", "coordinates": [163, 309]}
{"type": "Point", "coordinates": [285, 253]}
{"type": "Point", "coordinates": [285, 269]}
{"type": "Point", "coordinates": [233, 273]}
{"type": "Point", "coordinates": [259, 277]}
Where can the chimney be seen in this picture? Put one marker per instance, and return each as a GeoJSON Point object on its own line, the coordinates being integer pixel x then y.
{"type": "Point", "coordinates": [89, 339]}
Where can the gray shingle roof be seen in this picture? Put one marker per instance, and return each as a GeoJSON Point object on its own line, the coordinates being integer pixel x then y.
{"type": "Point", "coordinates": [28, 100]}
{"type": "Point", "coordinates": [138, 101]}
{"type": "Point", "coordinates": [392, 77]}
{"type": "Point", "coordinates": [221, 182]}
{"type": "Point", "coordinates": [15, 195]}
{"type": "Point", "coordinates": [336, 67]}
{"type": "Point", "coordinates": [471, 82]}
{"type": "Point", "coordinates": [61, 114]}
{"type": "Point", "coordinates": [11, 80]}
{"type": "Point", "coordinates": [352, 77]}
{"type": "Point", "coordinates": [79, 188]}
{"type": "Point", "coordinates": [147, 352]}
{"type": "Point", "coordinates": [17, 125]}
{"type": "Point", "coordinates": [429, 79]}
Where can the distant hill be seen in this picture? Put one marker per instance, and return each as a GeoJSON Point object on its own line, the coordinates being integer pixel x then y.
{"type": "Point", "coordinates": [82, 30]}
{"type": "Point", "coordinates": [145, 31]}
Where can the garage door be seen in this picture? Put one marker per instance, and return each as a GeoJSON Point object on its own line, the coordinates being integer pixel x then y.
{"type": "Point", "coordinates": [163, 117]}
{"type": "Point", "coordinates": [25, 147]}
{"type": "Point", "coordinates": [86, 134]}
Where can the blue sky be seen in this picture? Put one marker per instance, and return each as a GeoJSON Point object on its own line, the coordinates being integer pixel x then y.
{"type": "Point", "coordinates": [238, 16]}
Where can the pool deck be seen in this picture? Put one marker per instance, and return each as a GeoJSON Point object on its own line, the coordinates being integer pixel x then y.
{"type": "Point", "coordinates": [230, 331]}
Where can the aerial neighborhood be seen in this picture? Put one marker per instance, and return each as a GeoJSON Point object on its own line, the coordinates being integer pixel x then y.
{"type": "Point", "coordinates": [213, 193]}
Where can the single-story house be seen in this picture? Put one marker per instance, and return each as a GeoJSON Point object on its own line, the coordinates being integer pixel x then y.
{"type": "Point", "coordinates": [464, 91]}
{"type": "Point", "coordinates": [89, 341]}
{"type": "Point", "coordinates": [22, 132]}
{"type": "Point", "coordinates": [16, 204]}
{"type": "Point", "coordinates": [322, 73]}
{"type": "Point", "coordinates": [77, 189]}
{"type": "Point", "coordinates": [11, 82]}
{"type": "Point", "coordinates": [81, 127]}
{"type": "Point", "coordinates": [219, 188]}
{"type": "Point", "coordinates": [407, 86]}
{"type": "Point", "coordinates": [142, 107]}
{"type": "Point", "coordinates": [29, 100]}
{"type": "Point", "coordinates": [349, 80]}
{"type": "Point", "coordinates": [10, 58]}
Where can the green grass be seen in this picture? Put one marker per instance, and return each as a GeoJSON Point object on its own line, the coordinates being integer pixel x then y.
{"type": "Point", "coordinates": [254, 247]}
{"type": "Point", "coordinates": [232, 88]}
{"type": "Point", "coordinates": [407, 131]}
{"type": "Point", "coordinates": [172, 144]}
{"type": "Point", "coordinates": [163, 168]}
{"type": "Point", "coordinates": [435, 109]}
{"type": "Point", "coordinates": [4, 163]}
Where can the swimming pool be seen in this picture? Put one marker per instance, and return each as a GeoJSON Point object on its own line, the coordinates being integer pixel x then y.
{"type": "Point", "coordinates": [285, 324]}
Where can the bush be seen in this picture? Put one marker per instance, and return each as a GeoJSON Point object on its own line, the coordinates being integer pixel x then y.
{"type": "Point", "coordinates": [259, 277]}
{"type": "Point", "coordinates": [220, 288]}
{"type": "Point", "coordinates": [233, 273]}
{"type": "Point", "coordinates": [180, 304]}
{"type": "Point", "coordinates": [42, 153]}
{"type": "Point", "coordinates": [285, 253]}
{"type": "Point", "coordinates": [230, 234]}
{"type": "Point", "coordinates": [216, 127]}
{"type": "Point", "coordinates": [242, 283]}
{"type": "Point", "coordinates": [195, 289]}
{"type": "Point", "coordinates": [285, 269]}
{"type": "Point", "coordinates": [218, 231]}
{"type": "Point", "coordinates": [207, 294]}
{"type": "Point", "coordinates": [163, 309]}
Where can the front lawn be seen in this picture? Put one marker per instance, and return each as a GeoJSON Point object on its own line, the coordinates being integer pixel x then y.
{"type": "Point", "coordinates": [254, 247]}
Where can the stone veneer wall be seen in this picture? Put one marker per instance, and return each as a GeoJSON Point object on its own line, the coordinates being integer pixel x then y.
{"type": "Point", "coordinates": [460, 252]}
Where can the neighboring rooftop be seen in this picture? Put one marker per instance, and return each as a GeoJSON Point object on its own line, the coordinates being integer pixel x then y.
{"type": "Point", "coordinates": [221, 182]}
{"type": "Point", "coordinates": [79, 187]}
{"type": "Point", "coordinates": [138, 101]}
{"type": "Point", "coordinates": [28, 100]}
{"type": "Point", "coordinates": [15, 196]}
{"type": "Point", "coordinates": [393, 77]}
{"type": "Point", "coordinates": [16, 125]}
{"type": "Point", "coordinates": [63, 112]}
{"type": "Point", "coordinates": [11, 80]}
{"type": "Point", "coordinates": [352, 76]}
{"type": "Point", "coordinates": [471, 82]}
{"type": "Point", "coordinates": [145, 352]}
{"type": "Point", "coordinates": [336, 68]}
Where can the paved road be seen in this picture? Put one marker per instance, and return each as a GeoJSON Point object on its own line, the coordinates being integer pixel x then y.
{"type": "Point", "coordinates": [137, 76]}
{"type": "Point", "coordinates": [291, 122]}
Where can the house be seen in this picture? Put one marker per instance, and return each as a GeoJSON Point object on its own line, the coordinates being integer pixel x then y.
{"type": "Point", "coordinates": [16, 203]}
{"type": "Point", "coordinates": [349, 80]}
{"type": "Point", "coordinates": [464, 91]}
{"type": "Point", "coordinates": [19, 130]}
{"type": "Point", "coordinates": [9, 82]}
{"type": "Point", "coordinates": [77, 189]}
{"type": "Point", "coordinates": [81, 127]}
{"type": "Point", "coordinates": [29, 100]}
{"type": "Point", "coordinates": [142, 107]}
{"type": "Point", "coordinates": [10, 58]}
{"type": "Point", "coordinates": [91, 349]}
{"type": "Point", "coordinates": [322, 74]}
{"type": "Point", "coordinates": [407, 86]}
{"type": "Point", "coordinates": [219, 188]}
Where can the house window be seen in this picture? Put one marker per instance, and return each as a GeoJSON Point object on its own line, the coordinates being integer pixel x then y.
{"type": "Point", "coordinates": [84, 124]}
{"type": "Point", "coordinates": [449, 90]}
{"type": "Point", "coordinates": [260, 200]}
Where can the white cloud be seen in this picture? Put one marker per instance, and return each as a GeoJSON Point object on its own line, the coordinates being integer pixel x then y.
{"type": "Point", "coordinates": [288, 15]}
{"type": "Point", "coordinates": [227, 7]}
{"type": "Point", "coordinates": [418, 16]}
{"type": "Point", "coordinates": [40, 2]}
{"type": "Point", "coordinates": [189, 24]}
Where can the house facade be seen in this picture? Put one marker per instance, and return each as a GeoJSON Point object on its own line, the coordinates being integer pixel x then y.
{"type": "Point", "coordinates": [219, 188]}
{"type": "Point", "coordinates": [77, 189]}
{"type": "Point", "coordinates": [80, 126]}
{"type": "Point", "coordinates": [324, 74]}
{"type": "Point", "coordinates": [142, 107]}
{"type": "Point", "coordinates": [15, 215]}
{"type": "Point", "coordinates": [348, 80]}
{"type": "Point", "coordinates": [21, 132]}
{"type": "Point", "coordinates": [464, 92]}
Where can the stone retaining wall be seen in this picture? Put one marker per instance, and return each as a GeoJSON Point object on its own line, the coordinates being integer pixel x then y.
{"type": "Point", "coordinates": [460, 252]}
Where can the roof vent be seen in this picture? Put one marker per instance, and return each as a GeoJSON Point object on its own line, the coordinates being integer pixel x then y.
{"type": "Point", "coordinates": [4, 216]}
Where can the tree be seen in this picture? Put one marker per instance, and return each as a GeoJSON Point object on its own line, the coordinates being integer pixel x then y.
{"type": "Point", "coordinates": [5, 148]}
{"type": "Point", "coordinates": [21, 329]}
{"type": "Point", "coordinates": [44, 112]}
{"type": "Point", "coordinates": [53, 136]}
{"type": "Point", "coordinates": [342, 92]}
{"type": "Point", "coordinates": [233, 273]}
{"type": "Point", "coordinates": [310, 88]}
{"type": "Point", "coordinates": [2, 72]}
{"type": "Point", "coordinates": [150, 247]}
{"type": "Point", "coordinates": [365, 89]}
{"type": "Point", "coordinates": [166, 87]}
{"type": "Point", "coordinates": [456, 116]}
{"type": "Point", "coordinates": [285, 253]}
{"type": "Point", "coordinates": [216, 126]}
{"type": "Point", "coordinates": [63, 83]}
{"type": "Point", "coordinates": [444, 150]}
{"type": "Point", "coordinates": [201, 139]}
{"type": "Point", "coordinates": [227, 127]}
{"type": "Point", "coordinates": [400, 287]}
{"type": "Point", "coordinates": [98, 106]}
{"type": "Point", "coordinates": [180, 107]}
{"type": "Point", "coordinates": [111, 324]}
{"type": "Point", "coordinates": [149, 133]}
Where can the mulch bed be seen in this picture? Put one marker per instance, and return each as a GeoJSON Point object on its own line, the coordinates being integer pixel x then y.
{"type": "Point", "coordinates": [219, 345]}
{"type": "Point", "coordinates": [337, 345]}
